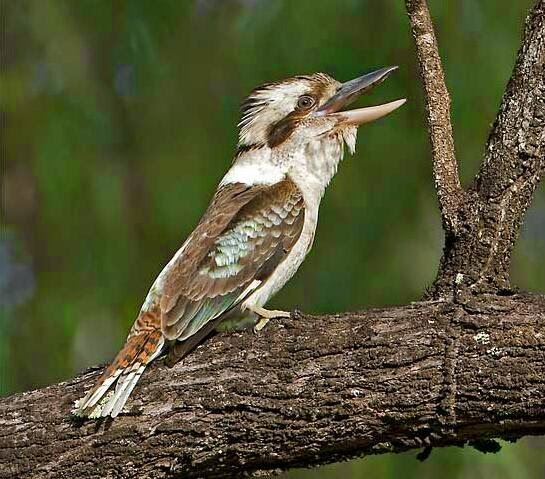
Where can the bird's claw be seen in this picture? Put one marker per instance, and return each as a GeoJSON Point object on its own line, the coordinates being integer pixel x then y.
{"type": "Point", "coordinates": [265, 315]}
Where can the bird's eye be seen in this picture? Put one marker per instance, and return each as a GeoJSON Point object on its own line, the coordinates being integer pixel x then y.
{"type": "Point", "coordinates": [305, 102]}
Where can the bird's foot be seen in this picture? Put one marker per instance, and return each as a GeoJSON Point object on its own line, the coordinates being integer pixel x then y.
{"type": "Point", "coordinates": [265, 315]}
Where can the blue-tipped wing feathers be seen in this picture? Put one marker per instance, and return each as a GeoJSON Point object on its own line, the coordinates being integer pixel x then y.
{"type": "Point", "coordinates": [230, 253]}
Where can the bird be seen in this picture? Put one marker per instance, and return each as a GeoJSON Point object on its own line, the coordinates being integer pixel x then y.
{"type": "Point", "coordinates": [257, 230]}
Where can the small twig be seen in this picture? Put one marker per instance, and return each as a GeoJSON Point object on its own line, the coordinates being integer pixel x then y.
{"type": "Point", "coordinates": [445, 168]}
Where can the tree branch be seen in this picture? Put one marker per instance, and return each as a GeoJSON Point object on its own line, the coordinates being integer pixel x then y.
{"type": "Point", "coordinates": [445, 167]}
{"type": "Point", "coordinates": [516, 146]}
{"type": "Point", "coordinates": [479, 258]}
{"type": "Point", "coordinates": [309, 391]}
{"type": "Point", "coordinates": [515, 154]}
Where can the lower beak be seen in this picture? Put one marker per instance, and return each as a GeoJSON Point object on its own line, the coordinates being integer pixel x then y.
{"type": "Point", "coordinates": [351, 91]}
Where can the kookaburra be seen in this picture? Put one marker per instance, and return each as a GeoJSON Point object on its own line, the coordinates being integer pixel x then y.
{"type": "Point", "coordinates": [257, 230]}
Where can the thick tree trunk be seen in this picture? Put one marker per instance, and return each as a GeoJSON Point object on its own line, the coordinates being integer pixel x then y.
{"type": "Point", "coordinates": [465, 368]}
{"type": "Point", "coordinates": [312, 389]}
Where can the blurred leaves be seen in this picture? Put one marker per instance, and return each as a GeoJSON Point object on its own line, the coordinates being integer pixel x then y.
{"type": "Point", "coordinates": [119, 118]}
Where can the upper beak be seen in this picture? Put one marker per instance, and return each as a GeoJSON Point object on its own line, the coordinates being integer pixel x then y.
{"type": "Point", "coordinates": [352, 90]}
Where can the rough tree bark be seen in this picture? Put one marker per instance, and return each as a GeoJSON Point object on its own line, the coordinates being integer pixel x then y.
{"type": "Point", "coordinates": [429, 374]}
{"type": "Point", "coordinates": [487, 216]}
{"type": "Point", "coordinates": [465, 366]}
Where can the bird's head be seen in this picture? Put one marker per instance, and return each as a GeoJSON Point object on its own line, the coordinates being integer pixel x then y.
{"type": "Point", "coordinates": [297, 110]}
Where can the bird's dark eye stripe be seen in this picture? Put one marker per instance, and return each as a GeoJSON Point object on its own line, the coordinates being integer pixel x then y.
{"type": "Point", "coordinates": [305, 102]}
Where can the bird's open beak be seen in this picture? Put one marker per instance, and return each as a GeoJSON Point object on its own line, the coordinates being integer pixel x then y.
{"type": "Point", "coordinates": [351, 91]}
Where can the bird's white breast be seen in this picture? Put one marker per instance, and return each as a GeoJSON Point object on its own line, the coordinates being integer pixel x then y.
{"type": "Point", "coordinates": [287, 268]}
{"type": "Point", "coordinates": [311, 168]}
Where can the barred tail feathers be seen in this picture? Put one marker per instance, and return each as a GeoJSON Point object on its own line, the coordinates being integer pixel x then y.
{"type": "Point", "coordinates": [124, 372]}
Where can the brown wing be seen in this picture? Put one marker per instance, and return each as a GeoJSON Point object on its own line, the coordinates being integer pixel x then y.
{"type": "Point", "coordinates": [243, 236]}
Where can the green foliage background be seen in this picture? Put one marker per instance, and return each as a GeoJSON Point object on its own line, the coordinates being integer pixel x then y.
{"type": "Point", "coordinates": [118, 119]}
